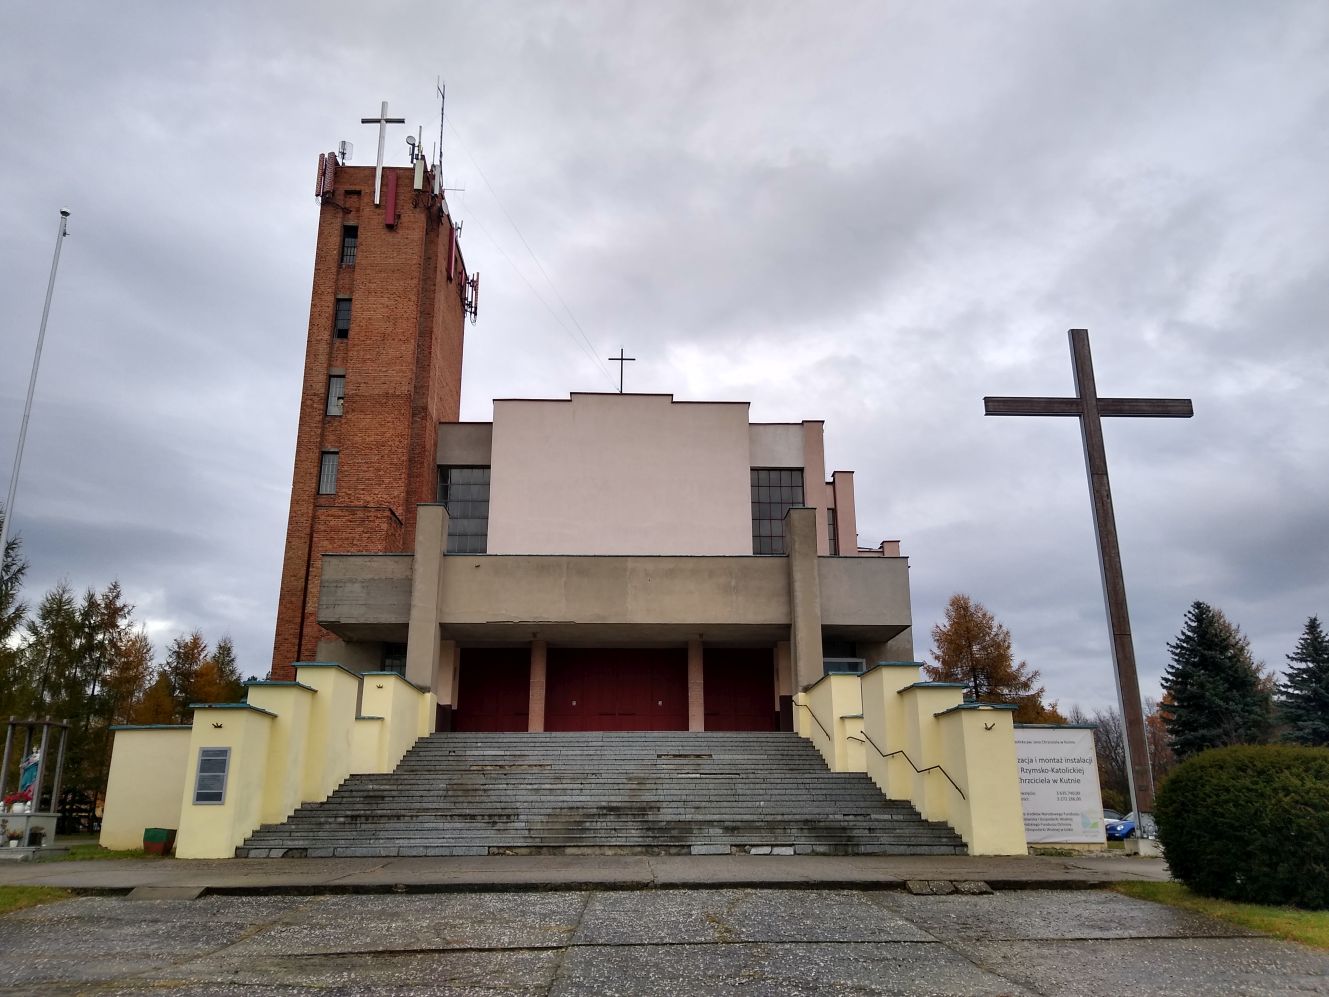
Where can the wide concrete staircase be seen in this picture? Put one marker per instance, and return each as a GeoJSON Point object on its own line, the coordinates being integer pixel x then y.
{"type": "Point", "coordinates": [603, 793]}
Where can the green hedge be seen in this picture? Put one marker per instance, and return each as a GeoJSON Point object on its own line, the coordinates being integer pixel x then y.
{"type": "Point", "coordinates": [1250, 824]}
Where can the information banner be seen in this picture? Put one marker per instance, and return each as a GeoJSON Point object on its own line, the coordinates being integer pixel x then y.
{"type": "Point", "coordinates": [1059, 784]}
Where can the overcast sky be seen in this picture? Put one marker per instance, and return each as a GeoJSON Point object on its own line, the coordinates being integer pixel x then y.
{"type": "Point", "coordinates": [869, 213]}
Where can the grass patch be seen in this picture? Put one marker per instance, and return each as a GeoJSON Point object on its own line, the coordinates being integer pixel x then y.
{"type": "Point", "coordinates": [96, 853]}
{"type": "Point", "coordinates": [14, 898]}
{"type": "Point", "coordinates": [1310, 927]}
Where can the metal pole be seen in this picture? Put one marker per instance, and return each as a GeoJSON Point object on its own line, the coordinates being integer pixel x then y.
{"type": "Point", "coordinates": [32, 384]}
{"type": "Point", "coordinates": [36, 804]}
{"type": "Point", "coordinates": [59, 770]}
{"type": "Point", "coordinates": [9, 744]}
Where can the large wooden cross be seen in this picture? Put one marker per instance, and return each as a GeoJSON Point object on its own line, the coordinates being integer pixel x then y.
{"type": "Point", "coordinates": [1089, 408]}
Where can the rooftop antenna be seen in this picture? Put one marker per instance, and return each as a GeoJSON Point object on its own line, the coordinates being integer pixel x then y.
{"type": "Point", "coordinates": [442, 89]}
{"type": "Point", "coordinates": [344, 150]}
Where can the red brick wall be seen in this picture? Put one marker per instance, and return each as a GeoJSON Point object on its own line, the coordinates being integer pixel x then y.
{"type": "Point", "coordinates": [402, 362]}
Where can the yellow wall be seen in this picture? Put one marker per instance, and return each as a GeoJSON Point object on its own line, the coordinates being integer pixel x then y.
{"type": "Point", "coordinates": [288, 745]}
{"type": "Point", "coordinates": [331, 722]}
{"type": "Point", "coordinates": [978, 750]}
{"type": "Point", "coordinates": [837, 702]}
{"type": "Point", "coordinates": [292, 742]}
{"type": "Point", "coordinates": [212, 831]}
{"type": "Point", "coordinates": [884, 725]}
{"type": "Point", "coordinates": [366, 744]}
{"type": "Point", "coordinates": [397, 701]}
{"type": "Point", "coordinates": [145, 784]}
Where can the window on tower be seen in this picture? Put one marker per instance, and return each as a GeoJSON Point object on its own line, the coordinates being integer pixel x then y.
{"type": "Point", "coordinates": [832, 531]}
{"type": "Point", "coordinates": [336, 393]}
{"type": "Point", "coordinates": [350, 238]}
{"type": "Point", "coordinates": [465, 492]}
{"type": "Point", "coordinates": [341, 318]}
{"type": "Point", "coordinates": [775, 490]}
{"type": "Point", "coordinates": [327, 472]}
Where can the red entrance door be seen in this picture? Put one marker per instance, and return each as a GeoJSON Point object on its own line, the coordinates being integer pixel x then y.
{"type": "Point", "coordinates": [739, 686]}
{"type": "Point", "coordinates": [616, 689]}
{"type": "Point", "coordinates": [494, 689]}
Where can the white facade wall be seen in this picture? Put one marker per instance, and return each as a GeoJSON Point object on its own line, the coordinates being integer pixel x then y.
{"type": "Point", "coordinates": [626, 474]}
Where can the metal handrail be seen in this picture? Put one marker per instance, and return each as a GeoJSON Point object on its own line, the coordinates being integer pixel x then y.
{"type": "Point", "coordinates": [920, 771]}
{"type": "Point", "coordinates": [828, 734]}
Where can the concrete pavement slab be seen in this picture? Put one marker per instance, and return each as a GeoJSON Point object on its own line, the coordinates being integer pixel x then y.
{"type": "Point", "coordinates": [642, 942]}
{"type": "Point", "coordinates": [1052, 914]}
{"type": "Point", "coordinates": [777, 970]}
{"type": "Point", "coordinates": [1166, 967]}
{"type": "Point", "coordinates": [240, 876]}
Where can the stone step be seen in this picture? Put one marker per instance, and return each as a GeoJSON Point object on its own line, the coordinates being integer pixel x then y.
{"type": "Point", "coordinates": [605, 793]}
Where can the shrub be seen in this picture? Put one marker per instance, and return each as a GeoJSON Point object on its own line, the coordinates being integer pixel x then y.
{"type": "Point", "coordinates": [1250, 823]}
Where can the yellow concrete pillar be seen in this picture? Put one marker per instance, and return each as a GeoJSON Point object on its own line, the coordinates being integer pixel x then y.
{"type": "Point", "coordinates": [696, 684]}
{"type": "Point", "coordinates": [328, 758]}
{"type": "Point", "coordinates": [931, 794]}
{"type": "Point", "coordinates": [398, 701]}
{"type": "Point", "coordinates": [291, 704]}
{"type": "Point", "coordinates": [213, 825]}
{"type": "Point", "coordinates": [884, 725]}
{"type": "Point", "coordinates": [978, 750]}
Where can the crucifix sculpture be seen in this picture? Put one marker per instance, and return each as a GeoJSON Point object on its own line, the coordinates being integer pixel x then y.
{"type": "Point", "coordinates": [1089, 408]}
{"type": "Point", "coordinates": [622, 362]}
{"type": "Point", "coordinates": [382, 121]}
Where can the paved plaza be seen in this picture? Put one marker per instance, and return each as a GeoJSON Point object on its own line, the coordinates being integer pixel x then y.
{"type": "Point", "coordinates": [746, 941]}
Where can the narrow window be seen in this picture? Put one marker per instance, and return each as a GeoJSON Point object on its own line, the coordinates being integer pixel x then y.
{"type": "Point", "coordinates": [831, 531]}
{"type": "Point", "coordinates": [465, 491]}
{"type": "Point", "coordinates": [327, 473]}
{"type": "Point", "coordinates": [350, 237]}
{"type": "Point", "coordinates": [775, 490]}
{"type": "Point", "coordinates": [336, 393]}
{"type": "Point", "coordinates": [341, 318]}
{"type": "Point", "coordinates": [394, 658]}
{"type": "Point", "coordinates": [210, 782]}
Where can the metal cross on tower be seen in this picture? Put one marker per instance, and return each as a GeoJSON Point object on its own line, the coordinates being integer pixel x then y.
{"type": "Point", "coordinates": [382, 121]}
{"type": "Point", "coordinates": [1089, 408]}
{"type": "Point", "coordinates": [622, 361]}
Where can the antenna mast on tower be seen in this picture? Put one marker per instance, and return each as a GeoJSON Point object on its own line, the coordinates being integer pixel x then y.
{"type": "Point", "coordinates": [442, 89]}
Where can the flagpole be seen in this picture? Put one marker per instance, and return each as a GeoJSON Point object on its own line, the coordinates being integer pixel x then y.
{"type": "Point", "coordinates": [32, 385]}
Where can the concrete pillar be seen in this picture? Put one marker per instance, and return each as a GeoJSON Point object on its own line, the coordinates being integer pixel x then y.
{"type": "Point", "coordinates": [784, 684]}
{"type": "Point", "coordinates": [814, 479]}
{"type": "Point", "coordinates": [800, 539]}
{"type": "Point", "coordinates": [539, 654]}
{"type": "Point", "coordinates": [846, 518]}
{"type": "Point", "coordinates": [446, 682]}
{"type": "Point", "coordinates": [696, 692]}
{"type": "Point", "coordinates": [424, 638]}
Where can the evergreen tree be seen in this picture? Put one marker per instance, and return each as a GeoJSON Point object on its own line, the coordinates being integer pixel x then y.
{"type": "Point", "coordinates": [1218, 695]}
{"type": "Point", "coordinates": [184, 659]}
{"type": "Point", "coordinates": [218, 678]}
{"type": "Point", "coordinates": [973, 648]}
{"type": "Point", "coordinates": [12, 614]}
{"type": "Point", "coordinates": [157, 705]}
{"type": "Point", "coordinates": [1303, 700]}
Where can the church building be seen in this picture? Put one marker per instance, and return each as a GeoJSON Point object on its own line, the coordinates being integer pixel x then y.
{"type": "Point", "coordinates": [455, 595]}
{"type": "Point", "coordinates": [597, 562]}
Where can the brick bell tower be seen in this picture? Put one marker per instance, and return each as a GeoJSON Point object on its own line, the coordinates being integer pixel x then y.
{"type": "Point", "coordinates": [382, 369]}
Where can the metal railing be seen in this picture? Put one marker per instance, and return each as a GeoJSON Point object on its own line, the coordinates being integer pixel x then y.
{"type": "Point", "coordinates": [920, 771]}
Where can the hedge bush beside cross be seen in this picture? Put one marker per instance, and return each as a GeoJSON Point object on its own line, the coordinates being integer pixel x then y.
{"type": "Point", "coordinates": [1250, 823]}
